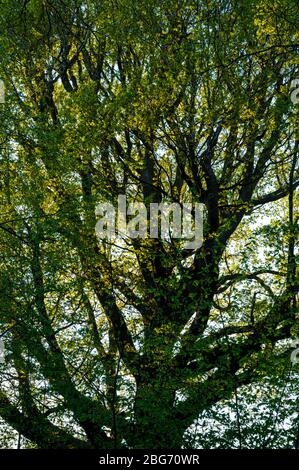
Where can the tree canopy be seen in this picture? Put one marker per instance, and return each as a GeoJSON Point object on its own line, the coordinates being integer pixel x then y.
{"type": "Point", "coordinates": [146, 344]}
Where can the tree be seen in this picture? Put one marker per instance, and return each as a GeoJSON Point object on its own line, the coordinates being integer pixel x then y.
{"type": "Point", "coordinates": [127, 345]}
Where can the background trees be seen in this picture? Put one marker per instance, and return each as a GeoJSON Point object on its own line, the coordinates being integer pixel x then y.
{"type": "Point", "coordinates": [110, 346]}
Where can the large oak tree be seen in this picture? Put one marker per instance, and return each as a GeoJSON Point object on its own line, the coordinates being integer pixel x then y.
{"type": "Point", "coordinates": [127, 344]}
